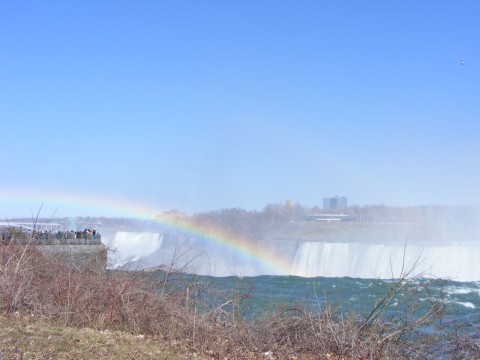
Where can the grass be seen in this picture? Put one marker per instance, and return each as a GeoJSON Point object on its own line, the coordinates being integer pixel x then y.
{"type": "Point", "coordinates": [28, 338]}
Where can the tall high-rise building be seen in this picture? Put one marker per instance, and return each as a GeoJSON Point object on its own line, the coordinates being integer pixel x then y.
{"type": "Point", "coordinates": [334, 202]}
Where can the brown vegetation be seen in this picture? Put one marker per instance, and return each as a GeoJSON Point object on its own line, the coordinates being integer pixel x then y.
{"type": "Point", "coordinates": [29, 338]}
{"type": "Point", "coordinates": [164, 307]}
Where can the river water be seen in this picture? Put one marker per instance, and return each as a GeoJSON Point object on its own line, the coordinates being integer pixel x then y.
{"type": "Point", "coordinates": [267, 293]}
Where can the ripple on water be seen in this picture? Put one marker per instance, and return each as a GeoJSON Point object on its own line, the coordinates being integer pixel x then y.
{"type": "Point", "coordinates": [467, 304]}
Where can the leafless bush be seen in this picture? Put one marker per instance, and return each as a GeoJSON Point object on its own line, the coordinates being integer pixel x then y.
{"type": "Point", "coordinates": [161, 302]}
{"type": "Point", "coordinates": [37, 283]}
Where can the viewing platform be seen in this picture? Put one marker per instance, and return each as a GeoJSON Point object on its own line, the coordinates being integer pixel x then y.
{"type": "Point", "coordinates": [14, 236]}
{"type": "Point", "coordinates": [82, 249]}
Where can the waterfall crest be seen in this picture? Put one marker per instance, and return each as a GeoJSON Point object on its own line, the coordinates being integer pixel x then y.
{"type": "Point", "coordinates": [132, 246]}
{"type": "Point", "coordinates": [363, 260]}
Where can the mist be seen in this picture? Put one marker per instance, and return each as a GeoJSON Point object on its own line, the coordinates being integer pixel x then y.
{"type": "Point", "coordinates": [369, 242]}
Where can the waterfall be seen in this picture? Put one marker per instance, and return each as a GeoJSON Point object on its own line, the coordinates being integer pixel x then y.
{"type": "Point", "coordinates": [456, 261]}
{"type": "Point", "coordinates": [137, 250]}
{"type": "Point", "coordinates": [363, 260]}
{"type": "Point", "coordinates": [132, 246]}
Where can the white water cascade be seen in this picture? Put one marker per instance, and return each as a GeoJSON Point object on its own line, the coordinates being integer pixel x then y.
{"type": "Point", "coordinates": [360, 260]}
{"type": "Point", "coordinates": [132, 246]}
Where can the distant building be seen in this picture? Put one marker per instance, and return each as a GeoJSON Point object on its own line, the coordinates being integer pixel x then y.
{"type": "Point", "coordinates": [170, 215]}
{"type": "Point", "coordinates": [328, 217]}
{"type": "Point", "coordinates": [334, 202]}
{"type": "Point", "coordinates": [32, 225]}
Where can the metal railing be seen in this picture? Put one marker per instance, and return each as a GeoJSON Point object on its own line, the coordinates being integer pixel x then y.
{"type": "Point", "coordinates": [49, 238]}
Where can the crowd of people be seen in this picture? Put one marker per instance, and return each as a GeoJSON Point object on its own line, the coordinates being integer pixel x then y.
{"type": "Point", "coordinates": [49, 235]}
{"type": "Point", "coordinates": [85, 234]}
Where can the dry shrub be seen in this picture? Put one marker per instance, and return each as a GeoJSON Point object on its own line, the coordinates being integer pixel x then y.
{"type": "Point", "coordinates": [32, 282]}
{"type": "Point", "coordinates": [146, 302]}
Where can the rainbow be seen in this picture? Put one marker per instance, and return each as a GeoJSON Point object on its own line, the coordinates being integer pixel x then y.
{"type": "Point", "coordinates": [242, 246]}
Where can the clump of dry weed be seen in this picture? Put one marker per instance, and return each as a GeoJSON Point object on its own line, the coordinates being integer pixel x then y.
{"type": "Point", "coordinates": [151, 303]}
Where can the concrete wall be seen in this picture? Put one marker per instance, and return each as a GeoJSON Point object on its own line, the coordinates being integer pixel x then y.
{"type": "Point", "coordinates": [93, 257]}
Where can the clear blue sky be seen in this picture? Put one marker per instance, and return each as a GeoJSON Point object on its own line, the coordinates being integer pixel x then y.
{"type": "Point", "coordinates": [199, 105]}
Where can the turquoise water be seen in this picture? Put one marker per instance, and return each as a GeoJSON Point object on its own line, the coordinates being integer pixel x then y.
{"type": "Point", "coordinates": [268, 293]}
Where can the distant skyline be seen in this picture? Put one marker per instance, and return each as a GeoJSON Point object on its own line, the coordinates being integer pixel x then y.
{"type": "Point", "coordinates": [156, 105]}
